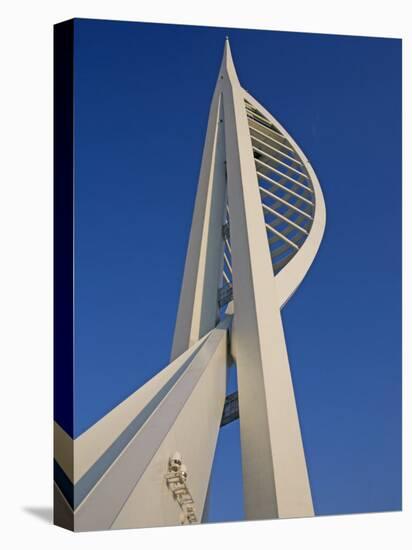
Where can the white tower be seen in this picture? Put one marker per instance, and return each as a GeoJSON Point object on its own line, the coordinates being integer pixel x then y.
{"type": "Point", "coordinates": [255, 178]}
{"type": "Point", "coordinates": [258, 222]}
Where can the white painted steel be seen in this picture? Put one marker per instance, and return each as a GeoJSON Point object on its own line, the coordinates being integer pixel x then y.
{"type": "Point", "coordinates": [270, 134]}
{"type": "Point", "coordinates": [275, 477]}
{"type": "Point", "coordinates": [91, 444]}
{"type": "Point", "coordinates": [276, 159]}
{"type": "Point", "coordinates": [281, 236]}
{"type": "Point", "coordinates": [272, 169]}
{"type": "Point", "coordinates": [286, 203]}
{"type": "Point", "coordinates": [284, 218]}
{"type": "Point", "coordinates": [289, 279]}
{"type": "Point", "coordinates": [193, 434]}
{"type": "Point", "coordinates": [132, 492]}
{"type": "Point", "coordinates": [197, 313]}
{"type": "Point", "coordinates": [274, 182]}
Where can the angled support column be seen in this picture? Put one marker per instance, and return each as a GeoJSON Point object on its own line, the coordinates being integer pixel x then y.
{"type": "Point", "coordinates": [198, 309]}
{"type": "Point", "coordinates": [119, 479]}
{"type": "Point", "coordinates": [275, 477]}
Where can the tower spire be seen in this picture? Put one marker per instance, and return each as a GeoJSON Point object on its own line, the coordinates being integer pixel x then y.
{"type": "Point", "coordinates": [228, 65]}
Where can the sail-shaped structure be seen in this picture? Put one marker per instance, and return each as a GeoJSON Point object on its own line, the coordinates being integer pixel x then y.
{"type": "Point", "coordinates": [258, 221]}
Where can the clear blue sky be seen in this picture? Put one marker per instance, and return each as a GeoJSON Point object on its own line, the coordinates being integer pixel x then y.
{"type": "Point", "coordinates": [142, 94]}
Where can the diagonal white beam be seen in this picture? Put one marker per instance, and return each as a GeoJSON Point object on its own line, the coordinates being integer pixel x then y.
{"type": "Point", "coordinates": [252, 129]}
{"type": "Point", "coordinates": [277, 159]}
{"type": "Point", "coordinates": [286, 203]}
{"type": "Point", "coordinates": [273, 169]}
{"type": "Point", "coordinates": [271, 180]}
{"type": "Point", "coordinates": [284, 218]}
{"type": "Point", "coordinates": [281, 236]}
{"type": "Point", "coordinates": [272, 134]}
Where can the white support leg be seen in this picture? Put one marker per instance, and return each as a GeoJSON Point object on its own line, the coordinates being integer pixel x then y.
{"type": "Point", "coordinates": [275, 477]}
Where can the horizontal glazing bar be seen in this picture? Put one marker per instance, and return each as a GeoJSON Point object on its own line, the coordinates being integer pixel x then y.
{"type": "Point", "coordinates": [281, 236]}
{"type": "Point", "coordinates": [228, 246]}
{"type": "Point", "coordinates": [227, 262]}
{"type": "Point", "coordinates": [286, 232]}
{"type": "Point", "coordinates": [273, 134]}
{"type": "Point", "coordinates": [286, 203]}
{"type": "Point", "coordinates": [264, 119]}
{"type": "Point", "coordinates": [297, 238]}
{"type": "Point", "coordinates": [281, 173]}
{"type": "Point", "coordinates": [267, 178]}
{"type": "Point", "coordinates": [284, 218]}
{"type": "Point", "coordinates": [276, 159]}
{"type": "Point", "coordinates": [277, 143]}
{"type": "Point", "coordinates": [300, 220]}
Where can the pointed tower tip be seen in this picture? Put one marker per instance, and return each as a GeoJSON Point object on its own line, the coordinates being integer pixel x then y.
{"type": "Point", "coordinates": [227, 53]}
{"type": "Point", "coordinates": [227, 61]}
